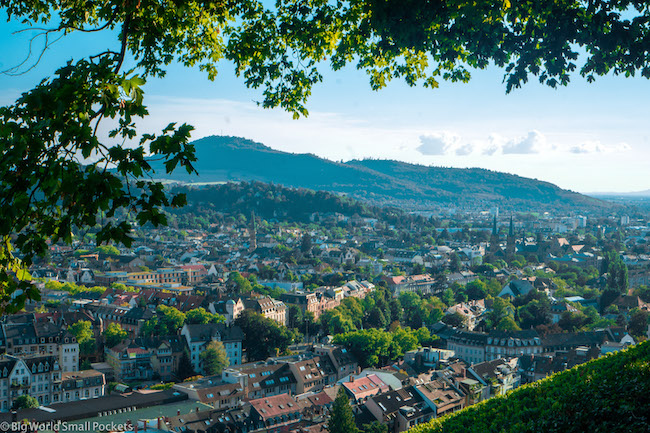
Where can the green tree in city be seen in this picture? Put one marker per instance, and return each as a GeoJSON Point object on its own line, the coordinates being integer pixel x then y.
{"type": "Point", "coordinates": [263, 337]}
{"type": "Point", "coordinates": [214, 358]}
{"type": "Point", "coordinates": [341, 419]}
{"type": "Point", "coordinates": [374, 427]}
{"type": "Point", "coordinates": [25, 402]}
{"type": "Point", "coordinates": [83, 332]}
{"type": "Point", "coordinates": [199, 316]}
{"type": "Point", "coordinates": [185, 368]}
{"type": "Point", "coordinates": [114, 335]}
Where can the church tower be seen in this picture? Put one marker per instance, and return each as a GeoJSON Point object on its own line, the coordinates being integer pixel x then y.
{"type": "Point", "coordinates": [510, 246]}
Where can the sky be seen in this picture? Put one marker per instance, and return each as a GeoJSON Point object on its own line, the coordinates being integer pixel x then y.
{"type": "Point", "coordinates": [584, 137]}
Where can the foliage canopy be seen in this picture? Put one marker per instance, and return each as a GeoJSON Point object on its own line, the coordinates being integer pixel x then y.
{"type": "Point", "coordinates": [50, 139]}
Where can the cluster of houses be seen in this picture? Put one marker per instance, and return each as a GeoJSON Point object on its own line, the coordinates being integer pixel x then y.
{"type": "Point", "coordinates": [40, 358]}
{"type": "Point", "coordinates": [295, 393]}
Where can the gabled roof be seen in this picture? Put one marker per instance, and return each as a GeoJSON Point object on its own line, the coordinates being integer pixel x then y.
{"type": "Point", "coordinates": [390, 402]}
{"type": "Point", "coordinates": [205, 333]}
{"type": "Point", "coordinates": [365, 386]}
{"type": "Point", "coordinates": [275, 406]}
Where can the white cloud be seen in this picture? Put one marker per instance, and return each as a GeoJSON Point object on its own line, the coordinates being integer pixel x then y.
{"type": "Point", "coordinates": [465, 149]}
{"type": "Point", "coordinates": [439, 143]}
{"type": "Point", "coordinates": [596, 146]}
{"type": "Point", "coordinates": [534, 142]}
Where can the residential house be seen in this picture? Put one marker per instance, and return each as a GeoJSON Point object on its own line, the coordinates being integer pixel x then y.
{"type": "Point", "coordinates": [414, 283]}
{"type": "Point", "coordinates": [441, 396]}
{"type": "Point", "coordinates": [400, 409]}
{"type": "Point", "coordinates": [199, 336]}
{"type": "Point", "coordinates": [270, 413]}
{"type": "Point", "coordinates": [499, 374]}
{"type": "Point", "coordinates": [268, 307]}
{"type": "Point", "coordinates": [342, 360]}
{"type": "Point", "coordinates": [510, 344]}
{"type": "Point", "coordinates": [82, 385]}
{"type": "Point", "coordinates": [362, 388]}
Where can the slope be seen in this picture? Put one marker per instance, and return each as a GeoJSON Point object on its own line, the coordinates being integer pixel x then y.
{"type": "Point", "coordinates": [382, 181]}
{"type": "Point", "coordinates": [610, 394]}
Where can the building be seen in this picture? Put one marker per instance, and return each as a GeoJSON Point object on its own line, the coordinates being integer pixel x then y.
{"type": "Point", "coordinates": [269, 308]}
{"type": "Point", "coordinates": [40, 376]}
{"type": "Point", "coordinates": [362, 388]}
{"type": "Point", "coordinates": [82, 385]}
{"type": "Point", "coordinates": [199, 336]}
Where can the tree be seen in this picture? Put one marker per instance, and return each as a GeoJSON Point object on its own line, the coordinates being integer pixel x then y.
{"type": "Point", "coordinates": [456, 320]}
{"type": "Point", "coordinates": [264, 337]}
{"type": "Point", "coordinates": [109, 250]}
{"type": "Point", "coordinates": [374, 427]}
{"type": "Point", "coordinates": [294, 316]}
{"type": "Point", "coordinates": [167, 321]}
{"type": "Point", "coordinates": [114, 335]}
{"type": "Point", "coordinates": [454, 262]}
{"type": "Point", "coordinates": [25, 402]}
{"type": "Point", "coordinates": [638, 324]}
{"type": "Point", "coordinates": [341, 418]}
{"type": "Point", "coordinates": [376, 319]}
{"type": "Point", "coordinates": [49, 135]}
{"type": "Point", "coordinates": [83, 332]}
{"type": "Point", "coordinates": [305, 244]}
{"type": "Point", "coordinates": [238, 283]}
{"type": "Point", "coordinates": [476, 289]}
{"type": "Point", "coordinates": [199, 316]}
{"type": "Point", "coordinates": [185, 368]}
{"type": "Point", "coordinates": [214, 358]}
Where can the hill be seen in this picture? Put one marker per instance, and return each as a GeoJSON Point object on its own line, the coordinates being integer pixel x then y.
{"type": "Point", "coordinates": [274, 201]}
{"type": "Point", "coordinates": [223, 159]}
{"type": "Point", "coordinates": [610, 394]}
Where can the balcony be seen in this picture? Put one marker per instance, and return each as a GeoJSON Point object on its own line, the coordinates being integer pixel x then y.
{"type": "Point", "coordinates": [16, 384]}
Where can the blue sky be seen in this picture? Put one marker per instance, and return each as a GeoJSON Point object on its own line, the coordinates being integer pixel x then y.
{"type": "Point", "coordinates": [584, 137]}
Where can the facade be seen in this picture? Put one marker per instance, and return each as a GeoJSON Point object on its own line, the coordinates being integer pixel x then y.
{"type": "Point", "coordinates": [269, 308]}
{"type": "Point", "coordinates": [199, 336]}
{"type": "Point", "coordinates": [414, 283]}
{"type": "Point", "coordinates": [468, 346]}
{"type": "Point", "coordinates": [24, 336]}
{"type": "Point", "coordinates": [40, 376]}
{"type": "Point", "coordinates": [129, 362]}
{"type": "Point", "coordinates": [512, 344]}
{"type": "Point", "coordinates": [82, 385]}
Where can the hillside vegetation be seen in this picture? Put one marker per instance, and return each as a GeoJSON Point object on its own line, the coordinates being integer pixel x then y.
{"type": "Point", "coordinates": [610, 394]}
{"type": "Point", "coordinates": [222, 159]}
{"type": "Point", "coordinates": [277, 202]}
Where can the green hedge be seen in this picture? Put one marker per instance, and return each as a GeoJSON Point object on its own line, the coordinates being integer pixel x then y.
{"type": "Point", "coordinates": [609, 394]}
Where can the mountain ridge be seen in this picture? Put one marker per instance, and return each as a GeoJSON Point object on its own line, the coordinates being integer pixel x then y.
{"type": "Point", "coordinates": [222, 159]}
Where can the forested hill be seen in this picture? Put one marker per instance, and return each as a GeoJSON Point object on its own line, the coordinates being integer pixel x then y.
{"type": "Point", "coordinates": [235, 159]}
{"type": "Point", "coordinates": [610, 394]}
{"type": "Point", "coordinates": [273, 201]}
